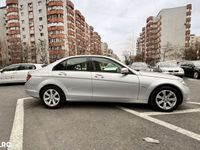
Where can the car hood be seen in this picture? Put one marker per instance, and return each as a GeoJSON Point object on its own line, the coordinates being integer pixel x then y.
{"type": "Point", "coordinates": [159, 75]}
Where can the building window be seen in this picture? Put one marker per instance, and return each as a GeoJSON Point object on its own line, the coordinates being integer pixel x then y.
{"type": "Point", "coordinates": [40, 11]}
{"type": "Point", "coordinates": [24, 36]}
{"type": "Point", "coordinates": [22, 13]}
{"type": "Point", "coordinates": [40, 18]}
{"type": "Point", "coordinates": [41, 34]}
{"type": "Point", "coordinates": [39, 3]}
{"type": "Point", "coordinates": [22, 21]}
{"type": "Point", "coordinates": [23, 29]}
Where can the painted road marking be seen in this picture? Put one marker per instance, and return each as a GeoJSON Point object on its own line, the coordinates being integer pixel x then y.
{"type": "Point", "coordinates": [196, 103]}
{"type": "Point", "coordinates": [164, 124]}
{"type": "Point", "coordinates": [16, 136]}
{"type": "Point", "coordinates": [171, 113]}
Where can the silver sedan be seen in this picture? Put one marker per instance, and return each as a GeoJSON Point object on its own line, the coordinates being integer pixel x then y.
{"type": "Point", "coordinates": [87, 78]}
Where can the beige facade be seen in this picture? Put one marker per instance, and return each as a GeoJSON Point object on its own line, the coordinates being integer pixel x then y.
{"type": "Point", "coordinates": [167, 35]}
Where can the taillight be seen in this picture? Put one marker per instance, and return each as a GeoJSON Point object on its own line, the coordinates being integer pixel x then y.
{"type": "Point", "coordinates": [28, 77]}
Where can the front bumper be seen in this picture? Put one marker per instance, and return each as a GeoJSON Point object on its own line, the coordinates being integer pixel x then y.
{"type": "Point", "coordinates": [186, 94]}
{"type": "Point", "coordinates": [181, 74]}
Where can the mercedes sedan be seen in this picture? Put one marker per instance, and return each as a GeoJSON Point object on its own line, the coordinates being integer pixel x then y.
{"type": "Point", "coordinates": [86, 78]}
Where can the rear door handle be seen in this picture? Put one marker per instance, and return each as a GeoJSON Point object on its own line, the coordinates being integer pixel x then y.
{"type": "Point", "coordinates": [99, 76]}
{"type": "Point", "coordinates": [62, 74]}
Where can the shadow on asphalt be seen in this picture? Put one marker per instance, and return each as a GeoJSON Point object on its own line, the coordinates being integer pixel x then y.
{"type": "Point", "coordinates": [11, 84]}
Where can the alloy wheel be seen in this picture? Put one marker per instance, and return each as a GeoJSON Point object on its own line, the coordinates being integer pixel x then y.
{"type": "Point", "coordinates": [166, 99]}
{"type": "Point", "coordinates": [51, 97]}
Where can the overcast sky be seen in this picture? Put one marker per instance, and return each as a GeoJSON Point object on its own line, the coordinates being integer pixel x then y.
{"type": "Point", "coordinates": [120, 21]}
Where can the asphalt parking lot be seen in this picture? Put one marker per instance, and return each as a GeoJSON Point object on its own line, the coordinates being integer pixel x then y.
{"type": "Point", "coordinates": [98, 126]}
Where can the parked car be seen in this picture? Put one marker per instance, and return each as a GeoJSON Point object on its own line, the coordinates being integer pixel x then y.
{"type": "Point", "coordinates": [191, 68]}
{"type": "Point", "coordinates": [17, 73]}
{"type": "Point", "coordinates": [169, 68]}
{"type": "Point", "coordinates": [140, 66]}
{"type": "Point", "coordinates": [83, 78]}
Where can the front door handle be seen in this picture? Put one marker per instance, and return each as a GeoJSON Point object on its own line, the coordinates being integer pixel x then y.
{"type": "Point", "coordinates": [99, 76]}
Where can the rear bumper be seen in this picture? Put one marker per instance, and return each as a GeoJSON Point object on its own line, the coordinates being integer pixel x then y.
{"type": "Point", "coordinates": [31, 91]}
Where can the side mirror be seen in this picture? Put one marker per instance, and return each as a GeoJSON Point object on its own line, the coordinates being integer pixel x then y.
{"type": "Point", "coordinates": [1, 71]}
{"type": "Point", "coordinates": [124, 71]}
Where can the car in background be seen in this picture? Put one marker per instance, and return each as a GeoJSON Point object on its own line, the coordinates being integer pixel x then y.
{"type": "Point", "coordinates": [191, 68]}
{"type": "Point", "coordinates": [169, 68]}
{"type": "Point", "coordinates": [140, 66]}
{"type": "Point", "coordinates": [84, 78]}
{"type": "Point", "coordinates": [17, 73]}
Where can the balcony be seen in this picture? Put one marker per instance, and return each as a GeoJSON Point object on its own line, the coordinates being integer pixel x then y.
{"type": "Point", "coordinates": [187, 44]}
{"type": "Point", "coordinates": [13, 24]}
{"type": "Point", "coordinates": [70, 18]}
{"type": "Point", "coordinates": [12, 9]}
{"type": "Point", "coordinates": [11, 32]}
{"type": "Point", "coordinates": [55, 20]}
{"type": "Point", "coordinates": [54, 28]}
{"type": "Point", "coordinates": [70, 4]}
{"type": "Point", "coordinates": [188, 13]}
{"type": "Point", "coordinates": [188, 19]}
{"type": "Point", "coordinates": [54, 12]}
{"type": "Point", "coordinates": [55, 3]}
{"type": "Point", "coordinates": [77, 12]}
{"type": "Point", "coordinates": [57, 36]}
{"type": "Point", "coordinates": [189, 6]}
{"type": "Point", "coordinates": [188, 25]}
{"type": "Point", "coordinates": [56, 44]}
{"type": "Point", "coordinates": [57, 52]}
{"type": "Point", "coordinates": [14, 39]}
{"type": "Point", "coordinates": [11, 17]}
{"type": "Point", "coordinates": [9, 2]}
{"type": "Point", "coordinates": [187, 38]}
{"type": "Point", "coordinates": [187, 32]}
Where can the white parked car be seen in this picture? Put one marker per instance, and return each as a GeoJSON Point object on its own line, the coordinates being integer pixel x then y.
{"type": "Point", "coordinates": [17, 73]}
{"type": "Point", "coordinates": [169, 68]}
{"type": "Point", "coordinates": [84, 78]}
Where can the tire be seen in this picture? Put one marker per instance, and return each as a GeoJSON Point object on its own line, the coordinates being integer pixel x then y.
{"type": "Point", "coordinates": [196, 75]}
{"type": "Point", "coordinates": [52, 97]}
{"type": "Point", "coordinates": [162, 97]}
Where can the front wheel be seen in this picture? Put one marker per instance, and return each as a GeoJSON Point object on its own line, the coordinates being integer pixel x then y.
{"type": "Point", "coordinates": [52, 97]}
{"type": "Point", "coordinates": [165, 99]}
{"type": "Point", "coordinates": [196, 75]}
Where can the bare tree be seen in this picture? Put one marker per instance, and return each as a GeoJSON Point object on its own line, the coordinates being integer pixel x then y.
{"type": "Point", "coordinates": [25, 53]}
{"type": "Point", "coordinates": [42, 51]}
{"type": "Point", "coordinates": [4, 54]}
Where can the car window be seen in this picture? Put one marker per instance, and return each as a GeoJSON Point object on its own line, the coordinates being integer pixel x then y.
{"type": "Point", "coordinates": [73, 64]}
{"type": "Point", "coordinates": [106, 65]}
{"type": "Point", "coordinates": [27, 67]}
{"type": "Point", "coordinates": [11, 68]}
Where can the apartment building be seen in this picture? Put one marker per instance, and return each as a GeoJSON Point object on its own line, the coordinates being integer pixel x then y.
{"type": "Point", "coordinates": [45, 31]}
{"type": "Point", "coordinates": [167, 35]}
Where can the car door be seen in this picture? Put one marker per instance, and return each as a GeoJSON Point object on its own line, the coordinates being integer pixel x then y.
{"type": "Point", "coordinates": [8, 74]}
{"type": "Point", "coordinates": [110, 85]}
{"type": "Point", "coordinates": [75, 75]}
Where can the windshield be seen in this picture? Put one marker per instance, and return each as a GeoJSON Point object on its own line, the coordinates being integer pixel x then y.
{"type": "Point", "coordinates": [167, 65]}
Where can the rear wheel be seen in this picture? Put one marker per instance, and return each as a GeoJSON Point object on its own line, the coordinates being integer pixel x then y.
{"type": "Point", "coordinates": [196, 75]}
{"type": "Point", "coordinates": [165, 98]}
{"type": "Point", "coordinates": [52, 97]}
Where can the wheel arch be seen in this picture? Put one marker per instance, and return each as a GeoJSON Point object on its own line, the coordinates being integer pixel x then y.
{"type": "Point", "coordinates": [51, 83]}
{"type": "Point", "coordinates": [169, 85]}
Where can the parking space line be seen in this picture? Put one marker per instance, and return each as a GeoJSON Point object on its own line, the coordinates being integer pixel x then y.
{"type": "Point", "coordinates": [196, 103]}
{"type": "Point", "coordinates": [171, 113]}
{"type": "Point", "coordinates": [16, 136]}
{"type": "Point", "coordinates": [164, 124]}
